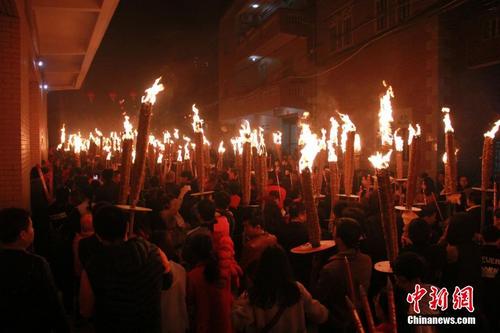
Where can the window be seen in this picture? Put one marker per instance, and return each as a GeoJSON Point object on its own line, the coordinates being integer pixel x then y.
{"type": "Point", "coordinates": [341, 32]}
{"type": "Point", "coordinates": [335, 38]}
{"type": "Point", "coordinates": [381, 12]}
{"type": "Point", "coordinates": [403, 10]}
{"type": "Point", "coordinates": [491, 28]}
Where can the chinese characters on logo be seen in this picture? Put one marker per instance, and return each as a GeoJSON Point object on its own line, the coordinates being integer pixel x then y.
{"type": "Point", "coordinates": [463, 298]}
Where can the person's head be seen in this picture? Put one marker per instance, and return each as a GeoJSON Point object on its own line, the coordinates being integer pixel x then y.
{"type": "Point", "coordinates": [206, 209]}
{"type": "Point", "coordinates": [339, 207]}
{"type": "Point", "coordinates": [16, 228]}
{"type": "Point", "coordinates": [222, 199]}
{"type": "Point", "coordinates": [347, 233]}
{"type": "Point", "coordinates": [110, 224]}
{"type": "Point", "coordinates": [107, 175]}
{"type": "Point", "coordinates": [460, 229]}
{"type": "Point", "coordinates": [273, 280]}
{"type": "Point", "coordinates": [473, 198]}
{"type": "Point", "coordinates": [428, 214]}
{"type": "Point", "coordinates": [253, 226]}
{"type": "Point", "coordinates": [419, 232]}
{"type": "Point", "coordinates": [297, 212]}
{"type": "Point", "coordinates": [427, 186]}
{"type": "Point", "coordinates": [355, 213]}
{"type": "Point", "coordinates": [409, 269]}
{"type": "Point", "coordinates": [202, 251]}
{"type": "Point", "coordinates": [186, 176]}
{"type": "Point", "coordinates": [463, 181]}
{"type": "Point", "coordinates": [169, 206]}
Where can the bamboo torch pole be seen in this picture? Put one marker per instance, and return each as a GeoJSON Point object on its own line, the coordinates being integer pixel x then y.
{"type": "Point", "coordinates": [414, 139]}
{"type": "Point", "coordinates": [487, 168]}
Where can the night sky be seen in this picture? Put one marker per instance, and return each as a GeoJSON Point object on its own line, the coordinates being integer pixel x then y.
{"type": "Point", "coordinates": [146, 39]}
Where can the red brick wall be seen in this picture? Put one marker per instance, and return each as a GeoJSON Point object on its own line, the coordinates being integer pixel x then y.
{"type": "Point", "coordinates": [10, 120]}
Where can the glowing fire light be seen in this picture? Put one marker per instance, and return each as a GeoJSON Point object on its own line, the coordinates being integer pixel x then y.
{"type": "Point", "coordinates": [237, 145]}
{"type": "Point", "coordinates": [176, 133]}
{"type": "Point", "coordinates": [357, 143]}
{"type": "Point", "coordinates": [310, 145]}
{"type": "Point", "coordinates": [412, 133]}
{"type": "Point", "coordinates": [398, 141]}
{"type": "Point", "coordinates": [277, 137]}
{"type": "Point", "coordinates": [491, 133]}
{"type": "Point", "coordinates": [167, 138]}
{"type": "Point", "coordinates": [380, 161]}
{"type": "Point", "coordinates": [152, 91]}
{"type": "Point", "coordinates": [333, 140]}
{"type": "Point", "coordinates": [179, 154]}
{"type": "Point", "coordinates": [197, 121]}
{"type": "Point", "coordinates": [445, 156]}
{"type": "Point", "coordinates": [159, 160]}
{"type": "Point", "coordinates": [245, 132]}
{"type": "Point", "coordinates": [322, 141]}
{"type": "Point", "coordinates": [347, 126]}
{"type": "Point", "coordinates": [133, 155]}
{"type": "Point", "coordinates": [385, 116]}
{"type": "Point", "coordinates": [261, 146]}
{"type": "Point", "coordinates": [447, 121]}
{"type": "Point", "coordinates": [127, 126]}
{"type": "Point", "coordinates": [221, 149]}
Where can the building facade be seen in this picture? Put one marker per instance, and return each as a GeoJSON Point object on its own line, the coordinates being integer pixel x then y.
{"type": "Point", "coordinates": [346, 48]}
{"type": "Point", "coordinates": [44, 46]}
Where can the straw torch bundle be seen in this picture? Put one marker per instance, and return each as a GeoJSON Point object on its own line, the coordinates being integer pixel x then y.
{"type": "Point", "coordinates": [386, 201]}
{"type": "Point", "coordinates": [399, 145]}
{"type": "Point", "coordinates": [320, 161]}
{"type": "Point", "coordinates": [450, 169]}
{"type": "Point", "coordinates": [357, 151]}
{"type": "Point", "coordinates": [487, 168]}
{"type": "Point", "coordinates": [198, 140]}
{"type": "Point", "coordinates": [246, 162]}
{"type": "Point", "coordinates": [277, 143]}
{"type": "Point", "coordinates": [310, 148]}
{"type": "Point", "coordinates": [145, 113]}
{"type": "Point", "coordinates": [220, 160]}
{"type": "Point", "coordinates": [414, 139]}
{"type": "Point", "coordinates": [347, 143]}
{"type": "Point", "coordinates": [178, 165]}
{"type": "Point", "coordinates": [332, 162]}
{"type": "Point", "coordinates": [186, 164]}
{"type": "Point", "coordinates": [261, 166]}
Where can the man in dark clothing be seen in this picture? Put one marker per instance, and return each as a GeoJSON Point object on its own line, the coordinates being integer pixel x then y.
{"type": "Point", "coordinates": [333, 286]}
{"type": "Point", "coordinates": [109, 190]}
{"type": "Point", "coordinates": [122, 285]}
{"type": "Point", "coordinates": [28, 296]}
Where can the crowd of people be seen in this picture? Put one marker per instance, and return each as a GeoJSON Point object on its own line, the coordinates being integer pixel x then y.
{"type": "Point", "coordinates": [205, 263]}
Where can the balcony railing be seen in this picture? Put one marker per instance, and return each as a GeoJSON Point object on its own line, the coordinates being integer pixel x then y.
{"type": "Point", "coordinates": [280, 28]}
{"type": "Point", "coordinates": [285, 94]}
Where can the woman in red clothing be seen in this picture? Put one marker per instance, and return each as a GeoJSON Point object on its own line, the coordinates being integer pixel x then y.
{"type": "Point", "coordinates": [209, 296]}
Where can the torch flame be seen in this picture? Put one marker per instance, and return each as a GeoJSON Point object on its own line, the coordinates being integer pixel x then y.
{"type": "Point", "coordinates": [445, 155]}
{"type": "Point", "coordinates": [398, 140]}
{"type": "Point", "coordinates": [186, 151]}
{"type": "Point", "coordinates": [357, 143]}
{"type": "Point", "coordinates": [152, 91]}
{"type": "Point", "coordinates": [261, 146]}
{"type": "Point", "coordinates": [380, 161]}
{"type": "Point", "coordinates": [245, 132]}
{"type": "Point", "coordinates": [446, 120]}
{"type": "Point", "coordinates": [99, 133]}
{"type": "Point", "coordinates": [129, 134]}
{"type": "Point", "coordinates": [412, 133]}
{"type": "Point", "coordinates": [63, 134]}
{"type": "Point", "coordinates": [277, 137]}
{"type": "Point", "coordinates": [322, 142]}
{"type": "Point", "coordinates": [221, 149]}
{"type": "Point", "coordinates": [197, 121]}
{"type": "Point", "coordinates": [176, 133]}
{"type": "Point", "coordinates": [237, 145]}
{"type": "Point", "coordinates": [310, 146]}
{"type": "Point", "coordinates": [347, 126]}
{"type": "Point", "coordinates": [333, 141]}
{"type": "Point", "coordinates": [160, 158]}
{"type": "Point", "coordinates": [179, 154]}
{"type": "Point", "coordinates": [108, 157]}
{"type": "Point", "coordinates": [385, 116]}
{"type": "Point", "coordinates": [491, 133]}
